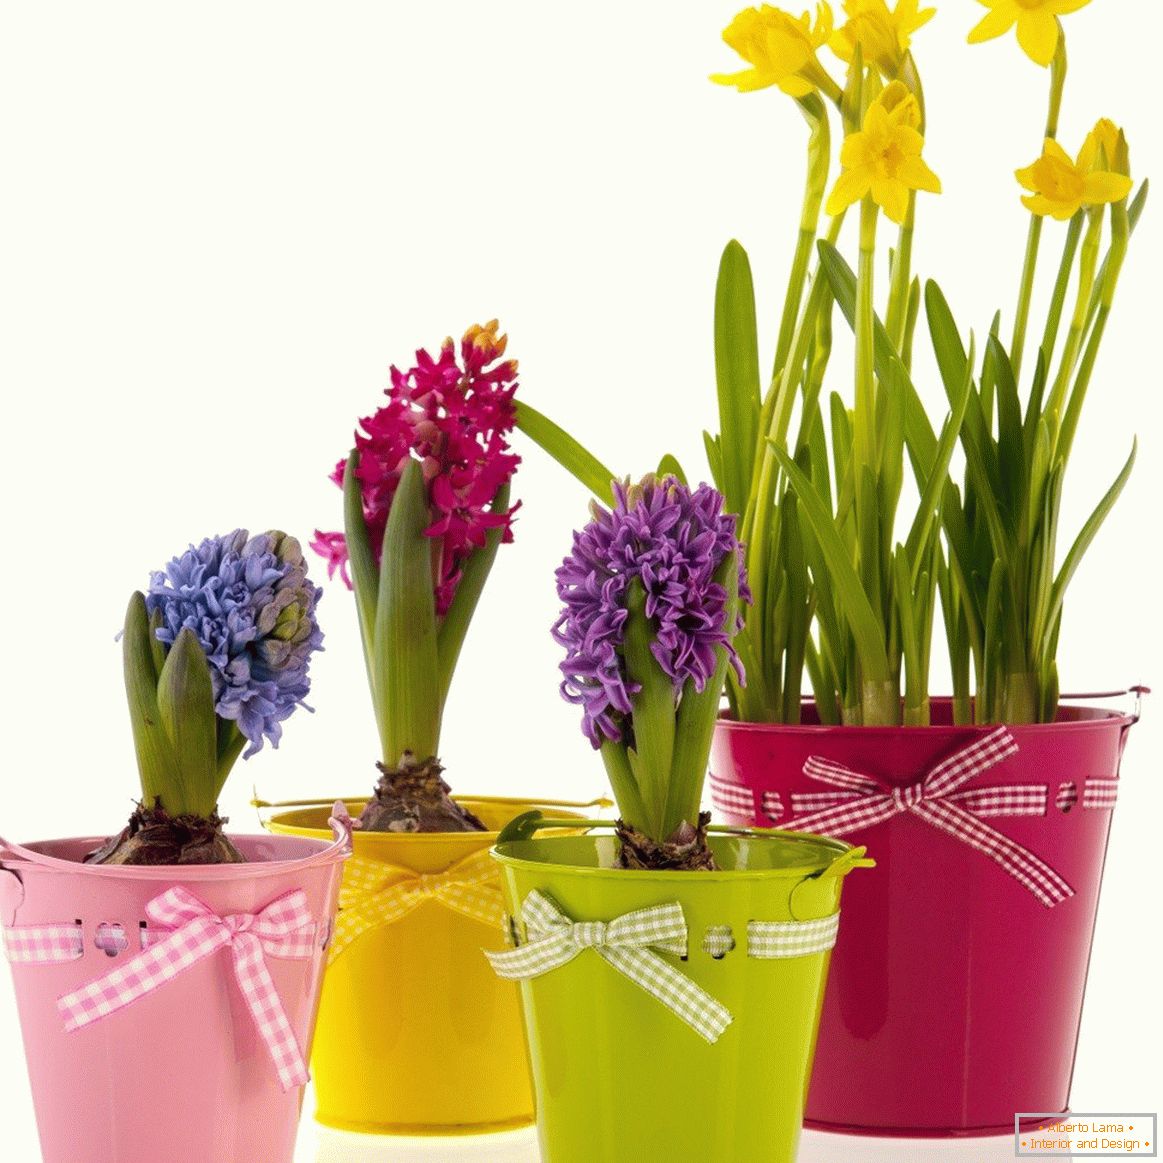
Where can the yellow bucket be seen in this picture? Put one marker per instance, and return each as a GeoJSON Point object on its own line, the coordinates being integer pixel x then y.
{"type": "Point", "coordinates": [416, 1033]}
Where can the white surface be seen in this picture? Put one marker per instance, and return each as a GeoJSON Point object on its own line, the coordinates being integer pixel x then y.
{"type": "Point", "coordinates": [816, 1147]}
{"type": "Point", "coordinates": [221, 222]}
{"type": "Point", "coordinates": [323, 1145]}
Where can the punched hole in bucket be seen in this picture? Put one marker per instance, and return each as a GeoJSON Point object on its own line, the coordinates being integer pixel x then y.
{"type": "Point", "coordinates": [718, 941]}
{"type": "Point", "coordinates": [110, 938]}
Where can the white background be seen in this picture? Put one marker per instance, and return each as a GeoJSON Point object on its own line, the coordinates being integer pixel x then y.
{"type": "Point", "coordinates": [221, 222]}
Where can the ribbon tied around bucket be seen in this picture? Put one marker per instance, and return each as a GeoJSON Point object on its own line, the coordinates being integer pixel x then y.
{"type": "Point", "coordinates": [375, 893]}
{"type": "Point", "coordinates": [630, 943]}
{"type": "Point", "coordinates": [284, 928]}
{"type": "Point", "coordinates": [940, 799]}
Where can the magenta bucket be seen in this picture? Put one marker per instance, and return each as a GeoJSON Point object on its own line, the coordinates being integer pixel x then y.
{"type": "Point", "coordinates": [181, 1074]}
{"type": "Point", "coordinates": [955, 994]}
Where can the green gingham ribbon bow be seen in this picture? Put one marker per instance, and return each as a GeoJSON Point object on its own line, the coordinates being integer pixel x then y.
{"type": "Point", "coordinates": [628, 943]}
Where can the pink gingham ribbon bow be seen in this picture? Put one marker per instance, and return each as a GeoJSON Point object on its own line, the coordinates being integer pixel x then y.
{"type": "Point", "coordinates": [285, 928]}
{"type": "Point", "coordinates": [938, 799]}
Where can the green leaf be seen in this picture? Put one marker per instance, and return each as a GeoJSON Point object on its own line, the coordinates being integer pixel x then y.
{"type": "Point", "coordinates": [231, 741]}
{"type": "Point", "coordinates": [695, 721]}
{"type": "Point", "coordinates": [157, 646]}
{"type": "Point", "coordinates": [654, 713]}
{"type": "Point", "coordinates": [1134, 213]}
{"type": "Point", "coordinates": [926, 520]}
{"type": "Point", "coordinates": [800, 611]}
{"type": "Point", "coordinates": [668, 466]}
{"type": "Point", "coordinates": [975, 438]}
{"type": "Point", "coordinates": [406, 661]}
{"type": "Point", "coordinates": [736, 373]}
{"type": "Point", "coordinates": [919, 434]}
{"type": "Point", "coordinates": [714, 459]}
{"type": "Point", "coordinates": [155, 754]}
{"type": "Point", "coordinates": [454, 626]}
{"type": "Point", "coordinates": [185, 699]}
{"type": "Point", "coordinates": [522, 827]}
{"type": "Point", "coordinates": [1012, 465]}
{"type": "Point", "coordinates": [571, 455]}
{"type": "Point", "coordinates": [993, 668]}
{"type": "Point", "coordinates": [1087, 534]}
{"type": "Point", "coordinates": [866, 626]}
{"type": "Point", "coordinates": [624, 785]}
{"type": "Point", "coordinates": [365, 574]}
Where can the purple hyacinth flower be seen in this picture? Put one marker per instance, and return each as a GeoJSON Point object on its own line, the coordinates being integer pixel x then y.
{"type": "Point", "coordinates": [673, 541]}
{"type": "Point", "coordinates": [251, 606]}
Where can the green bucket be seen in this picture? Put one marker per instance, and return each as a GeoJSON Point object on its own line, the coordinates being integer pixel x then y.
{"type": "Point", "coordinates": [617, 1075]}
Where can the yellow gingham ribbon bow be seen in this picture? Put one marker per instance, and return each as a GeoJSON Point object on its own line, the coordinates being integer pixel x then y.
{"type": "Point", "coordinates": [374, 894]}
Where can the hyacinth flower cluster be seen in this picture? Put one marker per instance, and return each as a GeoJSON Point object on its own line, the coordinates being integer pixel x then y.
{"type": "Point", "coordinates": [813, 459]}
{"type": "Point", "coordinates": [651, 594]}
{"type": "Point", "coordinates": [426, 504]}
{"type": "Point", "coordinates": [217, 657]}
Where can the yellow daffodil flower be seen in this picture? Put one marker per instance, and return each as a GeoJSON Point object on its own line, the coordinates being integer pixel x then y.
{"type": "Point", "coordinates": [902, 104]}
{"type": "Point", "coordinates": [780, 49]}
{"type": "Point", "coordinates": [1037, 22]}
{"type": "Point", "coordinates": [883, 158]}
{"type": "Point", "coordinates": [883, 36]}
{"type": "Point", "coordinates": [1060, 187]}
{"type": "Point", "coordinates": [1102, 141]}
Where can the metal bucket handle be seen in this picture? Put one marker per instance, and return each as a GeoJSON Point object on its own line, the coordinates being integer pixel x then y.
{"type": "Point", "coordinates": [527, 825]}
{"type": "Point", "coordinates": [1137, 693]}
{"type": "Point", "coordinates": [602, 803]}
{"type": "Point", "coordinates": [11, 891]}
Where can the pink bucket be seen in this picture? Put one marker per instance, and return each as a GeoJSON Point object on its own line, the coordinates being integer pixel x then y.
{"type": "Point", "coordinates": [181, 1074]}
{"type": "Point", "coordinates": [955, 995]}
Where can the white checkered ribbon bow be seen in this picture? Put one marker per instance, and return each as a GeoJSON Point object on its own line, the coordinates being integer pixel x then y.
{"type": "Point", "coordinates": [941, 800]}
{"type": "Point", "coordinates": [285, 928]}
{"type": "Point", "coordinates": [376, 894]}
{"type": "Point", "coordinates": [628, 943]}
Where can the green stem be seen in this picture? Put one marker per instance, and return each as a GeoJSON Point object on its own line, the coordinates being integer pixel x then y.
{"type": "Point", "coordinates": [864, 442]}
{"type": "Point", "coordinates": [1120, 239]}
{"type": "Point", "coordinates": [819, 153]}
{"type": "Point", "coordinates": [1021, 698]}
{"type": "Point", "coordinates": [897, 318]}
{"type": "Point", "coordinates": [1086, 273]}
{"type": "Point", "coordinates": [1061, 286]}
{"type": "Point", "coordinates": [1034, 238]}
{"type": "Point", "coordinates": [631, 806]}
{"type": "Point", "coordinates": [880, 704]}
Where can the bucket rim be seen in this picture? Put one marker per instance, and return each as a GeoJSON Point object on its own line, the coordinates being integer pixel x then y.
{"type": "Point", "coordinates": [421, 839]}
{"type": "Point", "coordinates": [19, 857]}
{"type": "Point", "coordinates": [840, 848]}
{"type": "Point", "coordinates": [1104, 718]}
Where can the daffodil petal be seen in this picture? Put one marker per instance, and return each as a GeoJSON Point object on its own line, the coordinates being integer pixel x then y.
{"type": "Point", "coordinates": [796, 86]}
{"type": "Point", "coordinates": [842, 46]}
{"type": "Point", "coordinates": [850, 187]}
{"type": "Point", "coordinates": [1038, 35]}
{"type": "Point", "coordinates": [1055, 150]}
{"type": "Point", "coordinates": [997, 23]}
{"type": "Point", "coordinates": [1027, 177]}
{"type": "Point", "coordinates": [748, 81]}
{"type": "Point", "coordinates": [852, 151]}
{"type": "Point", "coordinates": [917, 175]}
{"type": "Point", "coordinates": [909, 139]}
{"type": "Point", "coordinates": [1106, 187]}
{"type": "Point", "coordinates": [892, 197]}
{"type": "Point", "coordinates": [1044, 207]}
{"type": "Point", "coordinates": [825, 23]}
